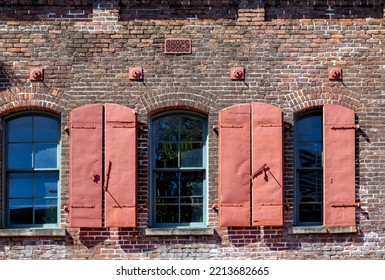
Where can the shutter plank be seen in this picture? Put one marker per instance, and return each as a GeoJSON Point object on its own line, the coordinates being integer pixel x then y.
{"type": "Point", "coordinates": [120, 166]}
{"type": "Point", "coordinates": [339, 166]}
{"type": "Point", "coordinates": [86, 166]}
{"type": "Point", "coordinates": [267, 148]}
{"type": "Point", "coordinates": [234, 166]}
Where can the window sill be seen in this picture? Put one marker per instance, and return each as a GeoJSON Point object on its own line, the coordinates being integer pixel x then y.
{"type": "Point", "coordinates": [178, 231]}
{"type": "Point", "coordinates": [25, 232]}
{"type": "Point", "coordinates": [322, 230]}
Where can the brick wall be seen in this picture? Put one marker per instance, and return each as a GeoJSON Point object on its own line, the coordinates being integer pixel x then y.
{"type": "Point", "coordinates": [286, 47]}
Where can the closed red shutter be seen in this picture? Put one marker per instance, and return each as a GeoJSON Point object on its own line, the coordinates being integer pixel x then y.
{"type": "Point", "coordinates": [267, 165]}
{"type": "Point", "coordinates": [339, 166]}
{"type": "Point", "coordinates": [86, 172]}
{"type": "Point", "coordinates": [120, 166]}
{"type": "Point", "coordinates": [234, 166]}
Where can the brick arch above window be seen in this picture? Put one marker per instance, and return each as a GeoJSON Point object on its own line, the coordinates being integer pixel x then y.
{"type": "Point", "coordinates": [178, 98]}
{"type": "Point", "coordinates": [318, 96]}
{"type": "Point", "coordinates": [31, 98]}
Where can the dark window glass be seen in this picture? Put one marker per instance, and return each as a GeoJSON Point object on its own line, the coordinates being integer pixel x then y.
{"type": "Point", "coordinates": [309, 169]}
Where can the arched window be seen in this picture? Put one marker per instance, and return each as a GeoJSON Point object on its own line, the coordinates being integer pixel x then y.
{"type": "Point", "coordinates": [31, 170]}
{"type": "Point", "coordinates": [309, 168]}
{"type": "Point", "coordinates": [179, 169]}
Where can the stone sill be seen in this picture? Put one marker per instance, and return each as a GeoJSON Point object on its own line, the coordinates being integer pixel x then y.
{"type": "Point", "coordinates": [30, 232]}
{"type": "Point", "coordinates": [322, 230]}
{"type": "Point", "coordinates": [178, 231]}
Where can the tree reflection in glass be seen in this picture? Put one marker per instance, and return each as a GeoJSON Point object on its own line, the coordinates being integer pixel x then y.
{"type": "Point", "coordinates": [179, 172]}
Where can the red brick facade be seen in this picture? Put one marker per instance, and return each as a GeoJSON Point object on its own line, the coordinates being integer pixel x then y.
{"type": "Point", "coordinates": [86, 49]}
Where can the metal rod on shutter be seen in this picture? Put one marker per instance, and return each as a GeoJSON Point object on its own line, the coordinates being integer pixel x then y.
{"type": "Point", "coordinates": [259, 171]}
{"type": "Point", "coordinates": [107, 178]}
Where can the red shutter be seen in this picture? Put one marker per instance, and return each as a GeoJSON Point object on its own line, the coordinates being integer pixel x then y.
{"type": "Point", "coordinates": [86, 166]}
{"type": "Point", "coordinates": [120, 166]}
{"type": "Point", "coordinates": [339, 166]}
{"type": "Point", "coordinates": [267, 165]}
{"type": "Point", "coordinates": [234, 166]}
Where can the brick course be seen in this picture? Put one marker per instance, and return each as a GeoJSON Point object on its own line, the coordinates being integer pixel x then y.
{"type": "Point", "coordinates": [286, 47]}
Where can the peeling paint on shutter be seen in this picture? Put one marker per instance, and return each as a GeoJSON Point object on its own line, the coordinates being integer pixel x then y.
{"type": "Point", "coordinates": [86, 172]}
{"type": "Point", "coordinates": [339, 166]}
{"type": "Point", "coordinates": [234, 165]}
{"type": "Point", "coordinates": [120, 166]}
{"type": "Point", "coordinates": [267, 165]}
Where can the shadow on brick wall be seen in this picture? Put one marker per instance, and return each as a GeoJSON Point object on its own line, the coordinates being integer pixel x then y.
{"type": "Point", "coordinates": [7, 78]}
{"type": "Point", "coordinates": [285, 12]}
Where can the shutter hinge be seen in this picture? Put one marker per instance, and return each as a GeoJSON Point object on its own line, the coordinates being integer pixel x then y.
{"type": "Point", "coordinates": [122, 206]}
{"type": "Point", "coordinates": [271, 204]}
{"type": "Point", "coordinates": [357, 205]}
{"type": "Point", "coordinates": [83, 206]}
{"type": "Point", "coordinates": [229, 125]}
{"type": "Point", "coordinates": [270, 125]}
{"type": "Point", "coordinates": [356, 126]}
{"type": "Point", "coordinates": [122, 124]}
{"type": "Point", "coordinates": [231, 205]}
{"type": "Point", "coordinates": [84, 127]}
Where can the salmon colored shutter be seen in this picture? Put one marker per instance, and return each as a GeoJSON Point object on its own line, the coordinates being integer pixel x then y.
{"type": "Point", "coordinates": [267, 165]}
{"type": "Point", "coordinates": [339, 166]}
{"type": "Point", "coordinates": [234, 166]}
{"type": "Point", "coordinates": [86, 172]}
{"type": "Point", "coordinates": [120, 166]}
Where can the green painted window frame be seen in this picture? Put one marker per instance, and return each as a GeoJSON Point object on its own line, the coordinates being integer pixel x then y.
{"type": "Point", "coordinates": [300, 169]}
{"type": "Point", "coordinates": [35, 171]}
{"type": "Point", "coordinates": [154, 169]}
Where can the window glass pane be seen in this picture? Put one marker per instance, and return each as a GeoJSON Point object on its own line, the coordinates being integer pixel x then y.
{"type": "Point", "coordinates": [20, 211]}
{"type": "Point", "coordinates": [45, 155]}
{"type": "Point", "coordinates": [191, 213]}
{"type": "Point", "coordinates": [310, 128]}
{"type": "Point", "coordinates": [20, 185]}
{"type": "Point", "coordinates": [191, 154]}
{"type": "Point", "coordinates": [310, 154]}
{"type": "Point", "coordinates": [167, 200]}
{"type": "Point", "coordinates": [20, 130]}
{"type": "Point", "coordinates": [20, 156]}
{"type": "Point", "coordinates": [167, 155]}
{"type": "Point", "coordinates": [46, 184]}
{"type": "Point", "coordinates": [191, 129]}
{"type": "Point", "coordinates": [45, 211]}
{"type": "Point", "coordinates": [310, 196]}
{"type": "Point", "coordinates": [310, 213]}
{"type": "Point", "coordinates": [167, 129]}
{"type": "Point", "coordinates": [167, 214]}
{"type": "Point", "coordinates": [167, 183]}
{"type": "Point", "coordinates": [46, 129]}
{"type": "Point", "coordinates": [192, 183]}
